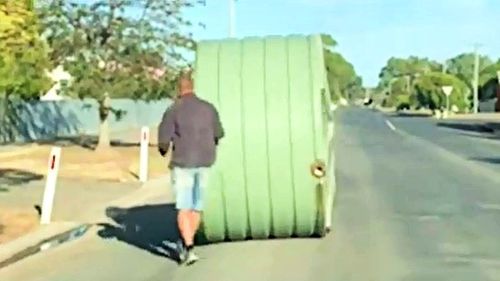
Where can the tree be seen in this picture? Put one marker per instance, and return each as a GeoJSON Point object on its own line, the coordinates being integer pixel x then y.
{"type": "Point", "coordinates": [398, 76]}
{"type": "Point", "coordinates": [342, 77]}
{"type": "Point", "coordinates": [429, 92]}
{"type": "Point", "coordinates": [397, 94]}
{"type": "Point", "coordinates": [489, 73]}
{"type": "Point", "coordinates": [355, 89]}
{"type": "Point", "coordinates": [328, 41]}
{"type": "Point", "coordinates": [341, 73]}
{"type": "Point", "coordinates": [117, 48]}
{"type": "Point", "coordinates": [488, 82]}
{"type": "Point", "coordinates": [462, 66]}
{"type": "Point", "coordinates": [410, 67]}
{"type": "Point", "coordinates": [23, 61]}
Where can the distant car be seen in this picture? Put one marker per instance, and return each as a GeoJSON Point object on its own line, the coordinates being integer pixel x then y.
{"type": "Point", "coordinates": [367, 101]}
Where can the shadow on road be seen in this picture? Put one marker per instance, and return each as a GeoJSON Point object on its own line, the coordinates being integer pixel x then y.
{"type": "Point", "coordinates": [411, 114]}
{"type": "Point", "coordinates": [472, 127]}
{"type": "Point", "coordinates": [150, 227]}
{"type": "Point", "coordinates": [491, 160]}
{"type": "Point", "coordinates": [488, 136]}
{"type": "Point", "coordinates": [11, 177]}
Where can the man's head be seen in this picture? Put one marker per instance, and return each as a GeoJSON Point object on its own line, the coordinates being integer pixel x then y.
{"type": "Point", "coordinates": [185, 84]}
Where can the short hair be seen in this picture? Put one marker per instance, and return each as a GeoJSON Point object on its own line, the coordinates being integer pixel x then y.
{"type": "Point", "coordinates": [186, 80]}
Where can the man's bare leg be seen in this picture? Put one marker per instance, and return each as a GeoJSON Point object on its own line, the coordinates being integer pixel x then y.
{"type": "Point", "coordinates": [185, 227]}
{"type": "Point", "coordinates": [188, 221]}
{"type": "Point", "coordinates": [195, 221]}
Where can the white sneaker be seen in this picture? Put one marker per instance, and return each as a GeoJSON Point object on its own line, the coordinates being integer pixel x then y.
{"type": "Point", "coordinates": [191, 258]}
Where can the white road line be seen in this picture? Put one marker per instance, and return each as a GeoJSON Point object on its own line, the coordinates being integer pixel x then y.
{"type": "Point", "coordinates": [390, 125]}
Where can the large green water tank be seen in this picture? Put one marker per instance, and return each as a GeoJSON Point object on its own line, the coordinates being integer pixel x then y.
{"type": "Point", "coordinates": [271, 94]}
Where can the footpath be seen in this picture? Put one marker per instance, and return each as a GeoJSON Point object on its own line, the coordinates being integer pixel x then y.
{"type": "Point", "coordinates": [83, 219]}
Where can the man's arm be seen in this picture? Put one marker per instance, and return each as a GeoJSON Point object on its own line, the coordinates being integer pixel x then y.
{"type": "Point", "coordinates": [218, 129]}
{"type": "Point", "coordinates": [166, 130]}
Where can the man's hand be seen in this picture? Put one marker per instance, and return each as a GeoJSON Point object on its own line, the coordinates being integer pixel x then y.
{"type": "Point", "coordinates": [166, 130]}
{"type": "Point", "coordinates": [163, 149]}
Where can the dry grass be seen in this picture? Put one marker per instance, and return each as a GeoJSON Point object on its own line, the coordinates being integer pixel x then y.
{"type": "Point", "coordinates": [115, 164]}
{"type": "Point", "coordinates": [119, 163]}
{"type": "Point", "coordinates": [16, 223]}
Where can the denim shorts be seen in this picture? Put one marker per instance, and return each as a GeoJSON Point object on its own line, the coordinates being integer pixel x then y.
{"type": "Point", "coordinates": [189, 185]}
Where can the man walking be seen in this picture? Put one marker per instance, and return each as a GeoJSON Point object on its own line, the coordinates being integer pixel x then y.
{"type": "Point", "coordinates": [193, 127]}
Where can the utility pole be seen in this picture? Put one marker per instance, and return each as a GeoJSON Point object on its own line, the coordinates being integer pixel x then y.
{"type": "Point", "coordinates": [476, 78]}
{"type": "Point", "coordinates": [232, 18]}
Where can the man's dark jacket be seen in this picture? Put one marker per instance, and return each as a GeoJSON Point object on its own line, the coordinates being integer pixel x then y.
{"type": "Point", "coordinates": [194, 128]}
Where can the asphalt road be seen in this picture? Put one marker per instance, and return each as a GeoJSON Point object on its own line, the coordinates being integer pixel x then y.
{"type": "Point", "coordinates": [407, 209]}
{"type": "Point", "coordinates": [466, 138]}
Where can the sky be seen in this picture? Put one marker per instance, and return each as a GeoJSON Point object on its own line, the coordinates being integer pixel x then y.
{"type": "Point", "coordinates": [368, 32]}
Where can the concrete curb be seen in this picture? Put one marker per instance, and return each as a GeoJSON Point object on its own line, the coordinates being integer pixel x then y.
{"type": "Point", "coordinates": [477, 117]}
{"type": "Point", "coordinates": [49, 236]}
{"type": "Point", "coordinates": [41, 239]}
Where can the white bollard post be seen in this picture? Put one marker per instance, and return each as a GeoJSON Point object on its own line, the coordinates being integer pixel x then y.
{"type": "Point", "coordinates": [144, 155]}
{"type": "Point", "coordinates": [50, 185]}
